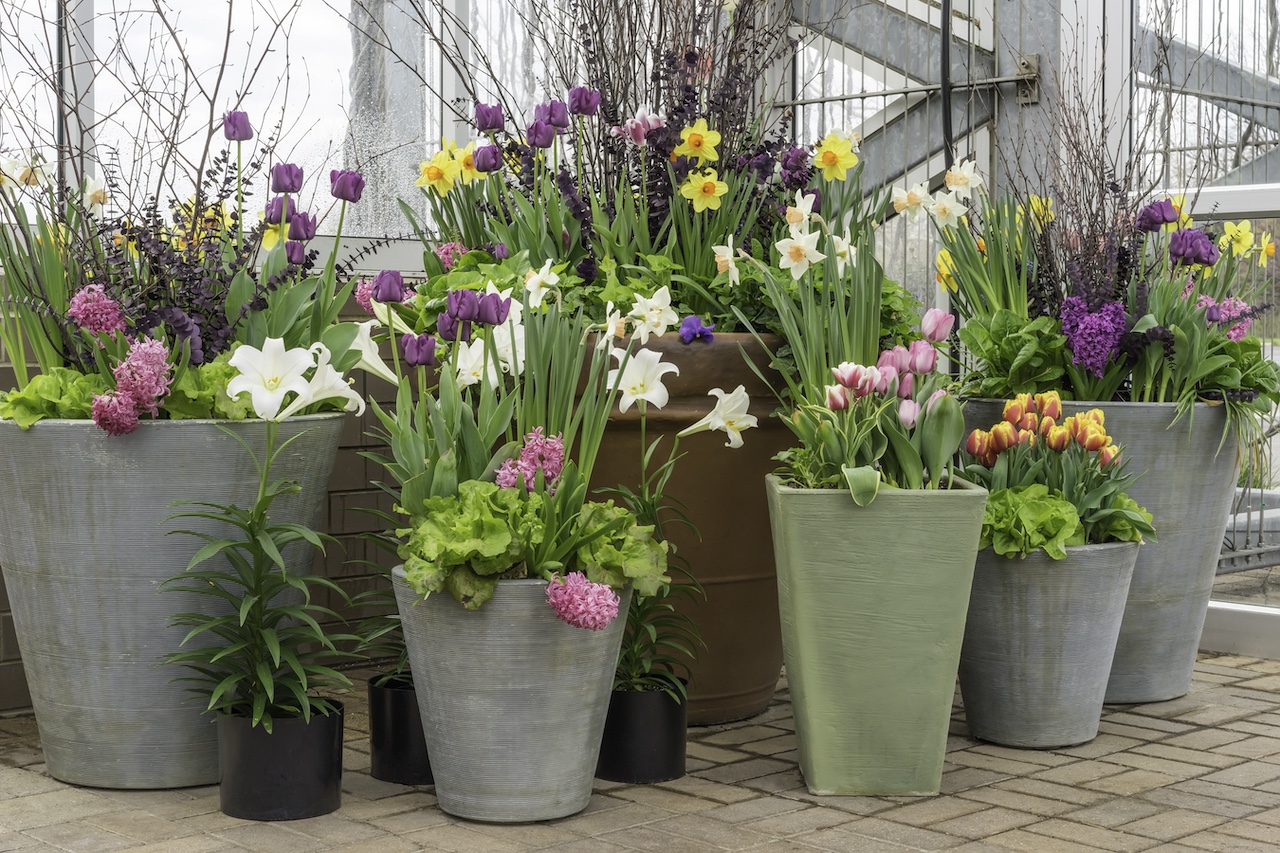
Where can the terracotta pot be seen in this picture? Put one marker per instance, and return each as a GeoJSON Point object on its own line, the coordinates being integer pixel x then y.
{"type": "Point", "coordinates": [723, 492]}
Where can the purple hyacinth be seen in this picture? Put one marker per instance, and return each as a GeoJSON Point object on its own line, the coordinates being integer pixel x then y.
{"type": "Point", "coordinates": [581, 603]}
{"type": "Point", "coordinates": [94, 311]}
{"type": "Point", "coordinates": [1093, 336]}
{"type": "Point", "coordinates": [540, 453]}
{"type": "Point", "coordinates": [692, 328]}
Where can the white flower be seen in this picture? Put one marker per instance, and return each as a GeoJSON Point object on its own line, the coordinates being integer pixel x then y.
{"type": "Point", "coordinates": [95, 195]}
{"type": "Point", "coordinates": [842, 251]}
{"type": "Point", "coordinates": [29, 174]}
{"type": "Point", "coordinates": [269, 375]}
{"type": "Point", "coordinates": [803, 209]}
{"type": "Point", "coordinates": [849, 135]}
{"type": "Point", "coordinates": [474, 364]}
{"type": "Point", "coordinates": [911, 201]}
{"type": "Point", "coordinates": [798, 252]}
{"type": "Point", "coordinates": [508, 341]}
{"type": "Point", "coordinates": [615, 326]}
{"type": "Point", "coordinates": [725, 261]}
{"type": "Point", "coordinates": [730, 415]}
{"type": "Point", "coordinates": [516, 313]}
{"type": "Point", "coordinates": [653, 315]}
{"type": "Point", "coordinates": [370, 359]}
{"type": "Point", "coordinates": [538, 283]}
{"type": "Point", "coordinates": [964, 180]}
{"type": "Point", "coordinates": [947, 210]}
{"type": "Point", "coordinates": [640, 378]}
{"type": "Point", "coordinates": [326, 384]}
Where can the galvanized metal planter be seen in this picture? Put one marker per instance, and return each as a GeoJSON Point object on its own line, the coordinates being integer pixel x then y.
{"type": "Point", "coordinates": [513, 700]}
{"type": "Point", "coordinates": [1039, 641]}
{"type": "Point", "coordinates": [84, 547]}
{"type": "Point", "coordinates": [873, 602]}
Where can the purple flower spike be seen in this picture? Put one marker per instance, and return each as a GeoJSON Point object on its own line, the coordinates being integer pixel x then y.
{"type": "Point", "coordinates": [419, 350]}
{"type": "Point", "coordinates": [346, 185]}
{"type": "Point", "coordinates": [286, 178]}
{"type": "Point", "coordinates": [691, 328]}
{"type": "Point", "coordinates": [493, 309]}
{"type": "Point", "coordinates": [489, 118]}
{"type": "Point", "coordinates": [276, 210]}
{"type": "Point", "coordinates": [388, 286]}
{"type": "Point", "coordinates": [94, 311]}
{"type": "Point", "coordinates": [302, 226]}
{"type": "Point", "coordinates": [584, 101]}
{"type": "Point", "coordinates": [463, 304]}
{"type": "Point", "coordinates": [236, 127]}
{"type": "Point", "coordinates": [1093, 337]}
{"type": "Point", "coordinates": [488, 158]}
{"type": "Point", "coordinates": [541, 134]}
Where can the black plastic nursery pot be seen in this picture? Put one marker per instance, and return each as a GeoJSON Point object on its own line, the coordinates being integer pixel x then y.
{"type": "Point", "coordinates": [397, 747]}
{"type": "Point", "coordinates": [293, 773]}
{"type": "Point", "coordinates": [644, 737]}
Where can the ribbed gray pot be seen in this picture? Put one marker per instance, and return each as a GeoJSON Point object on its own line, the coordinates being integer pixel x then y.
{"type": "Point", "coordinates": [1187, 484]}
{"type": "Point", "coordinates": [513, 700]}
{"type": "Point", "coordinates": [84, 547]}
{"type": "Point", "coordinates": [1038, 643]}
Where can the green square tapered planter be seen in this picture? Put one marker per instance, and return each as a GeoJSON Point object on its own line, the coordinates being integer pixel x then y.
{"type": "Point", "coordinates": [873, 602]}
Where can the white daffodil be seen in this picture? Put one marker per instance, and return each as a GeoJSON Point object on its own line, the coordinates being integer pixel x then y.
{"type": "Point", "coordinates": [95, 195]}
{"type": "Point", "coordinates": [726, 262]}
{"type": "Point", "coordinates": [326, 384]}
{"type": "Point", "coordinates": [516, 313]}
{"type": "Point", "coordinates": [28, 174]}
{"type": "Point", "coordinates": [370, 359]}
{"type": "Point", "coordinates": [474, 364]}
{"type": "Point", "coordinates": [652, 315]}
{"type": "Point", "coordinates": [946, 210]}
{"type": "Point", "coordinates": [7, 180]}
{"type": "Point", "coordinates": [729, 415]}
{"type": "Point", "coordinates": [269, 375]}
{"type": "Point", "coordinates": [964, 180]}
{"type": "Point", "coordinates": [538, 283]}
{"type": "Point", "coordinates": [508, 341]}
{"type": "Point", "coordinates": [798, 252]}
{"type": "Point", "coordinates": [640, 378]}
{"type": "Point", "coordinates": [911, 201]}
{"type": "Point", "coordinates": [799, 214]}
{"type": "Point", "coordinates": [615, 326]}
{"type": "Point", "coordinates": [842, 251]}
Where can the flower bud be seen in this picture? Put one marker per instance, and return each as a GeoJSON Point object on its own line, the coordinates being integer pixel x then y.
{"type": "Point", "coordinates": [1027, 437]}
{"type": "Point", "coordinates": [978, 444]}
{"type": "Point", "coordinates": [419, 350]}
{"type": "Point", "coordinates": [1003, 436]}
{"type": "Point", "coordinates": [302, 226]}
{"type": "Point", "coordinates": [1013, 411]}
{"type": "Point", "coordinates": [584, 101]}
{"type": "Point", "coordinates": [933, 398]}
{"type": "Point", "coordinates": [906, 385]}
{"type": "Point", "coordinates": [493, 309]}
{"type": "Point", "coordinates": [908, 413]}
{"type": "Point", "coordinates": [388, 286]}
{"type": "Point", "coordinates": [1092, 437]}
{"type": "Point", "coordinates": [924, 358]}
{"type": "Point", "coordinates": [1049, 404]}
{"type": "Point", "coordinates": [936, 325]}
{"type": "Point", "coordinates": [295, 252]}
{"type": "Point", "coordinates": [866, 382]}
{"type": "Point", "coordinates": [462, 304]}
{"type": "Point", "coordinates": [888, 375]}
{"type": "Point", "coordinates": [1108, 455]}
{"type": "Point", "coordinates": [488, 158]}
{"type": "Point", "coordinates": [1095, 416]}
{"type": "Point", "coordinates": [488, 118]}
{"type": "Point", "coordinates": [1057, 438]}
{"type": "Point", "coordinates": [286, 178]}
{"type": "Point", "coordinates": [278, 210]}
{"type": "Point", "coordinates": [236, 127]}
{"type": "Point", "coordinates": [837, 398]}
{"type": "Point", "coordinates": [901, 359]}
{"type": "Point", "coordinates": [346, 184]}
{"type": "Point", "coordinates": [1029, 421]}
{"type": "Point", "coordinates": [1072, 426]}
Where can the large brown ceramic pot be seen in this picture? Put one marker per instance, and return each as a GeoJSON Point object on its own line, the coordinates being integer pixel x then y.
{"type": "Point", "coordinates": [723, 492]}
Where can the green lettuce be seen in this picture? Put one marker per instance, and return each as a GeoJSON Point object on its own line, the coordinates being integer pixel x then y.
{"type": "Point", "coordinates": [201, 392]}
{"type": "Point", "coordinates": [1019, 520]}
{"type": "Point", "coordinates": [59, 393]}
{"type": "Point", "coordinates": [627, 551]}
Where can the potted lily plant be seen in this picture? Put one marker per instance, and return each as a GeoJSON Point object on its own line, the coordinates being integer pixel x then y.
{"type": "Point", "coordinates": [1060, 537]}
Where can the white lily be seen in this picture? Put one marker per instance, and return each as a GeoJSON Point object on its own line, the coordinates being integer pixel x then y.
{"type": "Point", "coordinates": [912, 201]}
{"type": "Point", "coordinates": [508, 341]}
{"type": "Point", "coordinates": [95, 194]}
{"type": "Point", "coordinates": [729, 415]}
{"type": "Point", "coordinates": [803, 209]}
{"type": "Point", "coordinates": [370, 359]}
{"type": "Point", "coordinates": [538, 283]}
{"type": "Point", "coordinates": [640, 378]}
{"type": "Point", "coordinates": [474, 364]}
{"type": "Point", "coordinates": [269, 375]}
{"type": "Point", "coordinates": [383, 313]}
{"type": "Point", "coordinates": [799, 251]}
{"type": "Point", "coordinates": [963, 179]}
{"type": "Point", "coordinates": [946, 210]}
{"type": "Point", "coordinates": [725, 260]}
{"type": "Point", "coordinates": [842, 251]}
{"type": "Point", "coordinates": [653, 314]}
{"type": "Point", "coordinates": [326, 384]}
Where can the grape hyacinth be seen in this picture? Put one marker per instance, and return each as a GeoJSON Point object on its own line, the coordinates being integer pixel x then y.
{"type": "Point", "coordinates": [1093, 336]}
{"type": "Point", "coordinates": [94, 311]}
{"type": "Point", "coordinates": [581, 603]}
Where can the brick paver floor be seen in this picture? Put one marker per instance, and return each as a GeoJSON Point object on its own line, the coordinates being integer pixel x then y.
{"type": "Point", "coordinates": [1194, 774]}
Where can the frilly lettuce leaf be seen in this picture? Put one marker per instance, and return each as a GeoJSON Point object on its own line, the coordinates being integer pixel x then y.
{"type": "Point", "coordinates": [1021, 519]}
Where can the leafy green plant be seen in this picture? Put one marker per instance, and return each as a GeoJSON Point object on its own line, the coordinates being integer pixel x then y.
{"type": "Point", "coordinates": [1022, 519]}
{"type": "Point", "coordinates": [1018, 356]}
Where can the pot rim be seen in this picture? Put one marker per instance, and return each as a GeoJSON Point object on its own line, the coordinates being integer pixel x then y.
{"type": "Point", "coordinates": [339, 705]}
{"type": "Point", "coordinates": [398, 571]}
{"type": "Point", "coordinates": [1071, 549]}
{"type": "Point", "coordinates": [964, 487]}
{"type": "Point", "coordinates": [169, 423]}
{"type": "Point", "coordinates": [1123, 404]}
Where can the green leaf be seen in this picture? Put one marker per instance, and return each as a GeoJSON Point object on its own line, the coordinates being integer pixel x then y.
{"type": "Point", "coordinates": [863, 483]}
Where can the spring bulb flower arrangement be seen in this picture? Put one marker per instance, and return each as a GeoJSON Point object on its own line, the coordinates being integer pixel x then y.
{"type": "Point", "coordinates": [1054, 482]}
{"type": "Point", "coordinates": [136, 318]}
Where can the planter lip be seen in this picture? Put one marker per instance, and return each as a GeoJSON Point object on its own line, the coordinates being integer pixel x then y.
{"type": "Point", "coordinates": [399, 682]}
{"type": "Point", "coordinates": [1200, 405]}
{"type": "Point", "coordinates": [1071, 549]}
{"type": "Point", "coordinates": [398, 571]}
{"type": "Point", "coordinates": [168, 423]}
{"type": "Point", "coordinates": [964, 487]}
{"type": "Point", "coordinates": [340, 710]}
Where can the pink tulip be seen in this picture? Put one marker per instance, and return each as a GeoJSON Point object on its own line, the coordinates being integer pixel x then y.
{"type": "Point", "coordinates": [847, 373]}
{"type": "Point", "coordinates": [867, 381]}
{"type": "Point", "coordinates": [908, 412]}
{"type": "Point", "coordinates": [837, 398]}
{"type": "Point", "coordinates": [933, 398]}
{"type": "Point", "coordinates": [936, 324]}
{"type": "Point", "coordinates": [887, 359]}
{"type": "Point", "coordinates": [901, 359]}
{"type": "Point", "coordinates": [924, 358]}
{"type": "Point", "coordinates": [888, 374]}
{"type": "Point", "coordinates": [907, 386]}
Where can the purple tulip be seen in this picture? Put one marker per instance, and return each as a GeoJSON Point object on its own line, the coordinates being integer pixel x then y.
{"type": "Point", "coordinates": [584, 101]}
{"type": "Point", "coordinates": [1213, 313]}
{"type": "Point", "coordinates": [346, 185]}
{"type": "Point", "coordinates": [1192, 246]}
{"type": "Point", "coordinates": [276, 207]}
{"type": "Point", "coordinates": [493, 309]}
{"type": "Point", "coordinates": [302, 226]}
{"type": "Point", "coordinates": [463, 304]}
{"type": "Point", "coordinates": [487, 158]}
{"type": "Point", "coordinates": [554, 113]}
{"type": "Point", "coordinates": [295, 252]}
{"type": "Point", "coordinates": [451, 329]}
{"type": "Point", "coordinates": [888, 376]}
{"type": "Point", "coordinates": [936, 325]}
{"type": "Point", "coordinates": [908, 413]}
{"type": "Point", "coordinates": [236, 127]}
{"type": "Point", "coordinates": [1156, 214]}
{"type": "Point", "coordinates": [388, 286]}
{"type": "Point", "coordinates": [901, 359]}
{"type": "Point", "coordinates": [692, 328]}
{"type": "Point", "coordinates": [924, 358]}
{"type": "Point", "coordinates": [541, 134]}
{"type": "Point", "coordinates": [933, 398]}
{"type": "Point", "coordinates": [286, 178]}
{"type": "Point", "coordinates": [489, 118]}
{"type": "Point", "coordinates": [499, 251]}
{"type": "Point", "coordinates": [419, 350]}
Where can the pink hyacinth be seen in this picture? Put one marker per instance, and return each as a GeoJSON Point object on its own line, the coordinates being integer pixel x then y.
{"type": "Point", "coordinates": [364, 295]}
{"type": "Point", "coordinates": [115, 413]}
{"type": "Point", "coordinates": [581, 603]}
{"type": "Point", "coordinates": [450, 253]}
{"type": "Point", "coordinates": [540, 452]}
{"type": "Point", "coordinates": [94, 311]}
{"type": "Point", "coordinates": [144, 375]}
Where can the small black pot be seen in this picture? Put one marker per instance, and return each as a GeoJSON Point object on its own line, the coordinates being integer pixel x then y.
{"type": "Point", "coordinates": [397, 748]}
{"type": "Point", "coordinates": [292, 773]}
{"type": "Point", "coordinates": [644, 738]}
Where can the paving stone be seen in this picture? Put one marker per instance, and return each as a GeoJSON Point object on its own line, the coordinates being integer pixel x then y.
{"type": "Point", "coordinates": [403, 823]}
{"type": "Point", "coordinates": [647, 838]}
{"type": "Point", "coordinates": [985, 823]}
{"type": "Point", "coordinates": [80, 837]}
{"type": "Point", "coordinates": [16, 841]}
{"type": "Point", "coordinates": [994, 763]}
{"type": "Point", "coordinates": [1021, 840]}
{"type": "Point", "coordinates": [1223, 843]}
{"type": "Point", "coordinates": [1204, 757]}
{"type": "Point", "coordinates": [65, 804]}
{"type": "Point", "coordinates": [1268, 682]}
{"type": "Point", "coordinates": [777, 783]}
{"type": "Point", "coordinates": [457, 838]}
{"type": "Point", "coordinates": [934, 809]}
{"type": "Point", "coordinates": [356, 808]}
{"type": "Point", "coordinates": [1173, 825]}
{"type": "Point", "coordinates": [737, 736]}
{"type": "Point", "coordinates": [714, 754]}
{"type": "Point", "coordinates": [1213, 715]}
{"type": "Point", "coordinates": [1094, 836]}
{"type": "Point", "coordinates": [1132, 782]}
{"type": "Point", "coordinates": [1052, 790]}
{"type": "Point", "coordinates": [672, 801]}
{"type": "Point", "coordinates": [1125, 730]}
{"type": "Point", "coordinates": [627, 815]}
{"type": "Point", "coordinates": [708, 789]}
{"type": "Point", "coordinates": [1251, 829]}
{"type": "Point", "coordinates": [16, 782]}
{"type": "Point", "coordinates": [1116, 812]}
{"type": "Point", "coordinates": [798, 822]}
{"type": "Point", "coordinates": [754, 809]}
{"type": "Point", "coordinates": [1200, 803]}
{"type": "Point", "coordinates": [998, 796]}
{"type": "Point", "coordinates": [1103, 744]}
{"type": "Point", "coordinates": [699, 827]}
{"type": "Point", "coordinates": [336, 828]}
{"type": "Point", "coordinates": [1142, 721]}
{"type": "Point", "coordinates": [369, 788]}
{"type": "Point", "coordinates": [191, 844]}
{"type": "Point", "coordinates": [1029, 756]}
{"type": "Point", "coordinates": [271, 836]}
{"type": "Point", "coordinates": [864, 806]}
{"type": "Point", "coordinates": [536, 835]}
{"type": "Point", "coordinates": [385, 844]}
{"type": "Point", "coordinates": [855, 836]}
{"type": "Point", "coordinates": [1245, 775]}
{"type": "Point", "coordinates": [1081, 771]}
{"type": "Point", "coordinates": [1176, 769]}
{"type": "Point", "coordinates": [955, 781]}
{"type": "Point", "coordinates": [775, 746]}
{"type": "Point", "coordinates": [139, 825]}
{"type": "Point", "coordinates": [753, 768]}
{"type": "Point", "coordinates": [1245, 746]}
{"type": "Point", "coordinates": [839, 841]}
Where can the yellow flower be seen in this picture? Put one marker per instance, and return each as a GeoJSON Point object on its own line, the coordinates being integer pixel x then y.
{"type": "Point", "coordinates": [1238, 236]}
{"type": "Point", "coordinates": [1184, 219]}
{"type": "Point", "coordinates": [704, 190]}
{"type": "Point", "coordinates": [439, 173]}
{"type": "Point", "coordinates": [946, 271]}
{"type": "Point", "coordinates": [465, 158]}
{"type": "Point", "coordinates": [1041, 209]}
{"type": "Point", "coordinates": [698, 141]}
{"type": "Point", "coordinates": [273, 234]}
{"type": "Point", "coordinates": [982, 246]}
{"type": "Point", "coordinates": [835, 155]}
{"type": "Point", "coordinates": [1266, 249]}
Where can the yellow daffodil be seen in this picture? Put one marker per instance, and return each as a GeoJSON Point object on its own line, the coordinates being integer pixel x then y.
{"type": "Point", "coordinates": [1239, 236]}
{"type": "Point", "coordinates": [698, 141]}
{"type": "Point", "coordinates": [946, 271]}
{"type": "Point", "coordinates": [273, 234]}
{"type": "Point", "coordinates": [1184, 219]}
{"type": "Point", "coordinates": [465, 158]}
{"type": "Point", "coordinates": [1266, 249]}
{"type": "Point", "coordinates": [128, 243]}
{"type": "Point", "coordinates": [1041, 209]}
{"type": "Point", "coordinates": [835, 155]}
{"type": "Point", "coordinates": [439, 173]}
{"type": "Point", "coordinates": [704, 190]}
{"type": "Point", "coordinates": [982, 246]}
